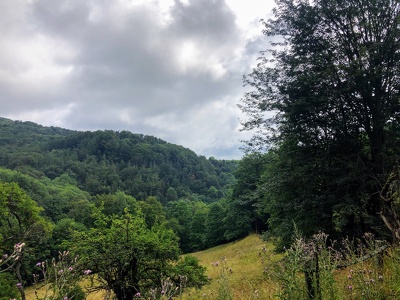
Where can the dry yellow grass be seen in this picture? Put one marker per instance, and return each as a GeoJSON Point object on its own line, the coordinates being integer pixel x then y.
{"type": "Point", "coordinates": [41, 293]}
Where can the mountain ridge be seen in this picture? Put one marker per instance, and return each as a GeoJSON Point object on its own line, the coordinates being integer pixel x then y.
{"type": "Point", "coordinates": [105, 161]}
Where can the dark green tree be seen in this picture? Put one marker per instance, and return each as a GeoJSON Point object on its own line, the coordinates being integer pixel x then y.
{"type": "Point", "coordinates": [62, 232]}
{"type": "Point", "coordinates": [171, 195]}
{"type": "Point", "coordinates": [214, 225]}
{"type": "Point", "coordinates": [327, 94]}
{"type": "Point", "coordinates": [181, 211]}
{"type": "Point", "coordinates": [153, 211]}
{"type": "Point", "coordinates": [197, 235]}
{"type": "Point", "coordinates": [246, 198]}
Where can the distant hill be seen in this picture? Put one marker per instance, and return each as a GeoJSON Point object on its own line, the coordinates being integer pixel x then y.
{"type": "Point", "coordinates": [107, 161]}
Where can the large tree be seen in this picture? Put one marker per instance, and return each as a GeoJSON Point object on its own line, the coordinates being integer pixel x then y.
{"type": "Point", "coordinates": [129, 258]}
{"type": "Point", "coordinates": [327, 94]}
{"type": "Point", "coordinates": [125, 254]}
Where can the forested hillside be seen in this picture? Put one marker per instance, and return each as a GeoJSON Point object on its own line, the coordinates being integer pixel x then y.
{"type": "Point", "coordinates": [139, 199]}
{"type": "Point", "coordinates": [108, 161]}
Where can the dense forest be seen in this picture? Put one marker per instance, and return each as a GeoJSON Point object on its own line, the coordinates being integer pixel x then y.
{"type": "Point", "coordinates": [106, 162]}
{"type": "Point", "coordinates": [62, 188]}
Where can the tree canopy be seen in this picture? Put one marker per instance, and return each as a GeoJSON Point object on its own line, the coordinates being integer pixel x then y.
{"type": "Point", "coordinates": [129, 258]}
{"type": "Point", "coordinates": [325, 98]}
{"type": "Point", "coordinates": [104, 162]}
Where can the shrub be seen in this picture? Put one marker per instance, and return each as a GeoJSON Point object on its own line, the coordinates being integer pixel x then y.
{"type": "Point", "coordinates": [8, 287]}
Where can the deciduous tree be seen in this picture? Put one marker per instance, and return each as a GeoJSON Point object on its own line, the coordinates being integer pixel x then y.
{"type": "Point", "coordinates": [327, 91]}
{"type": "Point", "coordinates": [125, 254]}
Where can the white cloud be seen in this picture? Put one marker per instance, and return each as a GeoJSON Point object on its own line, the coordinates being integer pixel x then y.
{"type": "Point", "coordinates": [168, 68]}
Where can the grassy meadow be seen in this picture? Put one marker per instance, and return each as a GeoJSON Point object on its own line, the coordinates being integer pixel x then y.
{"type": "Point", "coordinates": [237, 271]}
{"type": "Point", "coordinates": [235, 267]}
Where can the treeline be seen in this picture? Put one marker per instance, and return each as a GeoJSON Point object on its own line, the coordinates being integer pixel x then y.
{"type": "Point", "coordinates": [50, 216]}
{"type": "Point", "coordinates": [198, 225]}
{"type": "Point", "coordinates": [108, 161]}
{"type": "Point", "coordinates": [67, 172]}
{"type": "Point", "coordinates": [127, 244]}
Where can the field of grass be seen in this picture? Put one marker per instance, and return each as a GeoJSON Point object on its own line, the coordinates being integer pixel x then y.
{"type": "Point", "coordinates": [41, 293]}
{"type": "Point", "coordinates": [236, 272]}
{"type": "Point", "coordinates": [234, 269]}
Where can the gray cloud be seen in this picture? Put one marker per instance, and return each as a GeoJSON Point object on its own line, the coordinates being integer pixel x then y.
{"type": "Point", "coordinates": [107, 65]}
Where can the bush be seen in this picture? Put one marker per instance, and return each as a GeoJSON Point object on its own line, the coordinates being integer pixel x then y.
{"type": "Point", "coordinates": [189, 267]}
{"type": "Point", "coordinates": [8, 287]}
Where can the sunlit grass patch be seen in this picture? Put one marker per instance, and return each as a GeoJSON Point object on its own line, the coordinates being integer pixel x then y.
{"type": "Point", "coordinates": [236, 266]}
{"type": "Point", "coordinates": [34, 292]}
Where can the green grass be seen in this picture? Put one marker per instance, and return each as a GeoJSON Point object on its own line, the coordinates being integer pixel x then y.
{"type": "Point", "coordinates": [237, 272]}
{"type": "Point", "coordinates": [239, 269]}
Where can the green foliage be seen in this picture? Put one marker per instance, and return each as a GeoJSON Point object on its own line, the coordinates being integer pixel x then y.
{"type": "Point", "coordinates": [62, 231]}
{"type": "Point", "coordinates": [20, 219]}
{"type": "Point", "coordinates": [104, 162]}
{"type": "Point", "coordinates": [181, 211]}
{"type": "Point", "coordinates": [171, 194]}
{"type": "Point", "coordinates": [194, 225]}
{"type": "Point", "coordinates": [22, 232]}
{"type": "Point", "coordinates": [59, 197]}
{"type": "Point", "coordinates": [115, 204]}
{"type": "Point", "coordinates": [198, 235]}
{"type": "Point", "coordinates": [8, 290]}
{"type": "Point", "coordinates": [126, 255]}
{"type": "Point", "coordinates": [325, 98]}
{"type": "Point", "coordinates": [153, 211]}
{"type": "Point", "coordinates": [189, 267]}
{"type": "Point", "coordinates": [214, 229]}
{"type": "Point", "coordinates": [245, 208]}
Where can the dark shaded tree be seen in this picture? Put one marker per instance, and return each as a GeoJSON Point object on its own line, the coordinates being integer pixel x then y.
{"type": "Point", "coordinates": [244, 210]}
{"type": "Point", "coordinates": [197, 235]}
{"type": "Point", "coordinates": [327, 95]}
{"type": "Point", "coordinates": [214, 225]}
{"type": "Point", "coordinates": [180, 212]}
{"type": "Point", "coordinates": [153, 211]}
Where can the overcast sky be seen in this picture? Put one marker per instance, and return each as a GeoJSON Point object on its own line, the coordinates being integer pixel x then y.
{"type": "Point", "coordinates": [171, 69]}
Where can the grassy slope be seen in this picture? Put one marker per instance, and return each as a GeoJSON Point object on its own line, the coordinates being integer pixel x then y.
{"type": "Point", "coordinates": [239, 268]}
{"type": "Point", "coordinates": [245, 281]}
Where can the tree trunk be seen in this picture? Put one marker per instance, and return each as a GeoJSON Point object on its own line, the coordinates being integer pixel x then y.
{"type": "Point", "coordinates": [385, 200]}
{"type": "Point", "coordinates": [124, 292]}
{"type": "Point", "coordinates": [19, 277]}
{"type": "Point", "coordinates": [388, 212]}
{"type": "Point", "coordinates": [391, 220]}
